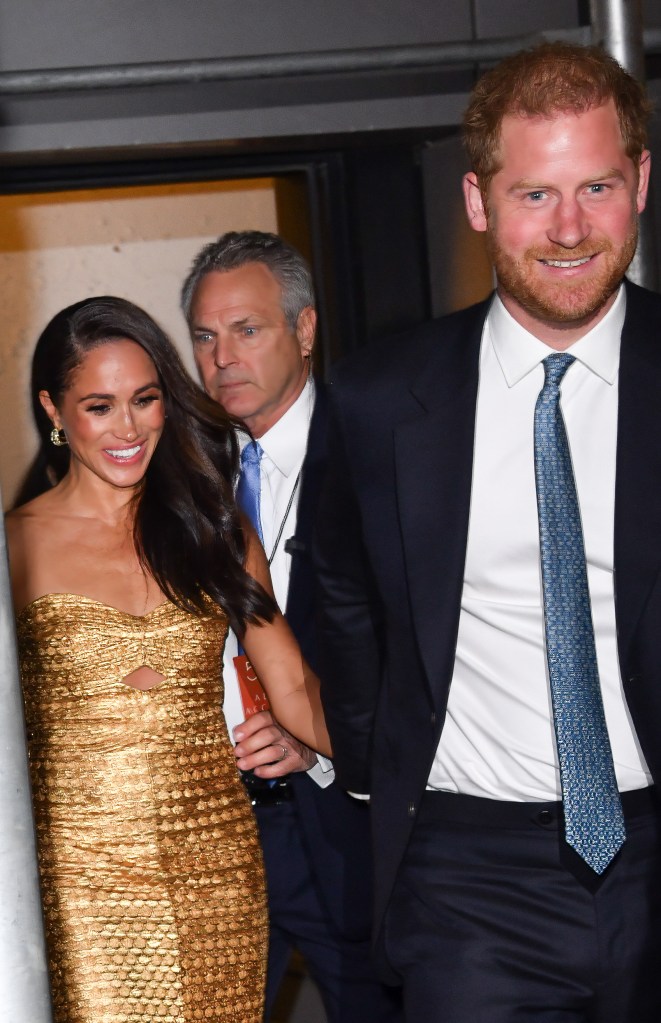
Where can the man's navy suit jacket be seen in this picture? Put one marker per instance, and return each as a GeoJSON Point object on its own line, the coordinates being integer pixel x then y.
{"type": "Point", "coordinates": [392, 543]}
{"type": "Point", "coordinates": [335, 827]}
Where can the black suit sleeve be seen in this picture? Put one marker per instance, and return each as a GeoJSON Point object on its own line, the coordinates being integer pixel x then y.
{"type": "Point", "coordinates": [348, 620]}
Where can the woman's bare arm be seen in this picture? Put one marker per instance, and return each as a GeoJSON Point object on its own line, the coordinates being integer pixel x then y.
{"type": "Point", "coordinates": [289, 682]}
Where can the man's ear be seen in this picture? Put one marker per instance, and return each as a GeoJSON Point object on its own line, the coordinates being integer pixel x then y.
{"type": "Point", "coordinates": [474, 203]}
{"type": "Point", "coordinates": [306, 326]}
{"type": "Point", "coordinates": [643, 180]}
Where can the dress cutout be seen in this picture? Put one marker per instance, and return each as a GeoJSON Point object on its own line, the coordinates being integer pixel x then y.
{"type": "Point", "coordinates": [151, 871]}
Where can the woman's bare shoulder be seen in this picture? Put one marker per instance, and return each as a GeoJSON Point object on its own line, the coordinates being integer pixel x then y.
{"type": "Point", "coordinates": [23, 520]}
{"type": "Point", "coordinates": [36, 508]}
{"type": "Point", "coordinates": [29, 539]}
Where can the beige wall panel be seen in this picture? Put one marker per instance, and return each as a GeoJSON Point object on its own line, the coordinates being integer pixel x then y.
{"type": "Point", "coordinates": [137, 243]}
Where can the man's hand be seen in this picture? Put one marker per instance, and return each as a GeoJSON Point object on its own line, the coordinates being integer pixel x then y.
{"type": "Point", "coordinates": [265, 747]}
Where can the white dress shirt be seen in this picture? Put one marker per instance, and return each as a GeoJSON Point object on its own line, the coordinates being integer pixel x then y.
{"type": "Point", "coordinates": [498, 738]}
{"type": "Point", "coordinates": [284, 447]}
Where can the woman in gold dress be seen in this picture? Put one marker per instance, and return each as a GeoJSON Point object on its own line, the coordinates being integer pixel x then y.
{"type": "Point", "coordinates": [126, 572]}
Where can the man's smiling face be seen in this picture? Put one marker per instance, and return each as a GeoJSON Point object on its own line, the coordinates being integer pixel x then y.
{"type": "Point", "coordinates": [561, 217]}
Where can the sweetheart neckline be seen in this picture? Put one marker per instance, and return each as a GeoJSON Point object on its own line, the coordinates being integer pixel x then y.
{"type": "Point", "coordinates": [97, 603]}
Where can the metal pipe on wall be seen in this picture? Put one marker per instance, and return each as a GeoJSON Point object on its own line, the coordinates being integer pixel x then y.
{"type": "Point", "coordinates": [433, 56]}
{"type": "Point", "coordinates": [24, 988]}
{"type": "Point", "coordinates": [617, 26]}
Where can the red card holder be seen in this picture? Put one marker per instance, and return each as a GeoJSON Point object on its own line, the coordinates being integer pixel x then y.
{"type": "Point", "coordinates": [253, 696]}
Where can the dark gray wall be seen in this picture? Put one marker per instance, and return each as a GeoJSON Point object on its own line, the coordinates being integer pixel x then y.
{"type": "Point", "coordinates": [63, 33]}
{"type": "Point", "coordinates": [332, 113]}
{"type": "Point", "coordinates": [41, 34]}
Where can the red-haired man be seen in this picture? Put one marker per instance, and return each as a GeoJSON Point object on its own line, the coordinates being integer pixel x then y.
{"type": "Point", "coordinates": [489, 554]}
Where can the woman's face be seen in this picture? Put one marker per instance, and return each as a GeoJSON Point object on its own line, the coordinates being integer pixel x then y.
{"type": "Point", "coordinates": [112, 413]}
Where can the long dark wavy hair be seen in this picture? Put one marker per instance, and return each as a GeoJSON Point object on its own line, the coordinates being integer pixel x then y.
{"type": "Point", "coordinates": [187, 531]}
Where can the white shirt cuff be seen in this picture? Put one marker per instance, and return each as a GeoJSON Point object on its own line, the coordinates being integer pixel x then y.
{"type": "Point", "coordinates": [322, 772]}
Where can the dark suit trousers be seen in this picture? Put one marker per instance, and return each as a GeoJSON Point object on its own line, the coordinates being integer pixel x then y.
{"type": "Point", "coordinates": [495, 920]}
{"type": "Point", "coordinates": [335, 944]}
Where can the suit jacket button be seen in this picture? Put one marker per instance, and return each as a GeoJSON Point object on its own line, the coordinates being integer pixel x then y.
{"type": "Point", "coordinates": [433, 717]}
{"type": "Point", "coordinates": [411, 809]}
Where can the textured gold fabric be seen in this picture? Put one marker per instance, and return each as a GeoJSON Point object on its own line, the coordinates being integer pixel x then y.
{"type": "Point", "coordinates": [151, 870]}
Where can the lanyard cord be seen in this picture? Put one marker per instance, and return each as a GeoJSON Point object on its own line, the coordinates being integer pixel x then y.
{"type": "Point", "coordinates": [298, 478]}
{"type": "Point", "coordinates": [285, 517]}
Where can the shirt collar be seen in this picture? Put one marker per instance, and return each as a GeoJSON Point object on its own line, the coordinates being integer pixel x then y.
{"type": "Point", "coordinates": [286, 441]}
{"type": "Point", "coordinates": [519, 352]}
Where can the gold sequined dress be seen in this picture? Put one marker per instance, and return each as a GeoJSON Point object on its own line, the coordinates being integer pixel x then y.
{"type": "Point", "coordinates": [152, 878]}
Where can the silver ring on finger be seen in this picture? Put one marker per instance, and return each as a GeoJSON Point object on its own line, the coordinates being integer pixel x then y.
{"type": "Point", "coordinates": [285, 751]}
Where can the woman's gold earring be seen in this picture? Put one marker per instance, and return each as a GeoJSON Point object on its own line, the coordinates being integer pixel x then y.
{"type": "Point", "coordinates": [58, 437]}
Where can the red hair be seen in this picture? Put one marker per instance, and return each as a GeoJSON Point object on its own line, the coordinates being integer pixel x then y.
{"type": "Point", "coordinates": [547, 79]}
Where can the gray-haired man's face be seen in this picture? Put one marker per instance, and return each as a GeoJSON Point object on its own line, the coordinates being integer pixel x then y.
{"type": "Point", "coordinates": [249, 358]}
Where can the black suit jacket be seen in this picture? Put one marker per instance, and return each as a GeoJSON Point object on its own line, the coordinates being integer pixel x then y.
{"type": "Point", "coordinates": [335, 828]}
{"type": "Point", "coordinates": [392, 544]}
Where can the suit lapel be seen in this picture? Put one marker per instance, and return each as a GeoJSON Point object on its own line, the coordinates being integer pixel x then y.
{"type": "Point", "coordinates": [301, 579]}
{"type": "Point", "coordinates": [434, 458]}
{"type": "Point", "coordinates": [638, 476]}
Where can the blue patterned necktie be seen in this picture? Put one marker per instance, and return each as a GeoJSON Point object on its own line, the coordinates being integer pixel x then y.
{"type": "Point", "coordinates": [248, 487]}
{"type": "Point", "coordinates": [594, 822]}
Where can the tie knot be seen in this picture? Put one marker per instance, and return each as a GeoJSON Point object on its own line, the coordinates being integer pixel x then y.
{"type": "Point", "coordinates": [555, 367]}
{"type": "Point", "coordinates": [251, 455]}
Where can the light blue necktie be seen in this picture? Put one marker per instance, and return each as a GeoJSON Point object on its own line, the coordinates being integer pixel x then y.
{"type": "Point", "coordinates": [248, 487]}
{"type": "Point", "coordinates": [594, 822]}
{"type": "Point", "coordinates": [248, 499]}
